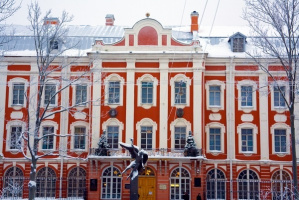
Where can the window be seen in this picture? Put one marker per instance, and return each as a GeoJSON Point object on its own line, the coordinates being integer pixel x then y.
{"type": "Point", "coordinates": [238, 44]}
{"type": "Point", "coordinates": [215, 139]}
{"type": "Point", "coordinates": [45, 182]}
{"type": "Point", "coordinates": [146, 130]}
{"type": "Point", "coordinates": [246, 96]}
{"type": "Point", "coordinates": [281, 185]}
{"type": "Point", "coordinates": [15, 137]}
{"type": "Point", "coordinates": [248, 187]}
{"type": "Point", "coordinates": [147, 92]}
{"type": "Point", "coordinates": [13, 183]}
{"type": "Point", "coordinates": [215, 184]}
{"type": "Point", "coordinates": [180, 92]}
{"type": "Point", "coordinates": [114, 92]}
{"type": "Point", "coordinates": [146, 137]}
{"type": "Point", "coordinates": [76, 182]}
{"type": "Point", "coordinates": [81, 94]}
{"type": "Point", "coordinates": [18, 94]}
{"type": "Point", "coordinates": [111, 183]}
{"type": "Point", "coordinates": [180, 137]}
{"type": "Point", "coordinates": [179, 183]}
{"type": "Point", "coordinates": [280, 140]}
{"type": "Point", "coordinates": [79, 137]}
{"type": "Point", "coordinates": [279, 94]}
{"type": "Point", "coordinates": [50, 90]}
{"type": "Point", "coordinates": [214, 96]}
{"type": "Point", "coordinates": [247, 140]}
{"type": "Point", "coordinates": [112, 136]}
{"type": "Point", "coordinates": [48, 141]}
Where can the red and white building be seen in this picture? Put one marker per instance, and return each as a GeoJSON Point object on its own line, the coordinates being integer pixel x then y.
{"type": "Point", "coordinates": [154, 84]}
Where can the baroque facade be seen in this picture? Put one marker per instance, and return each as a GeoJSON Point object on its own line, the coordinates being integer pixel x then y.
{"type": "Point", "coordinates": [155, 84]}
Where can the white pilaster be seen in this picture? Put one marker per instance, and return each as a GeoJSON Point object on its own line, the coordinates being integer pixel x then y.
{"type": "Point", "coordinates": [3, 81]}
{"type": "Point", "coordinates": [197, 102]}
{"type": "Point", "coordinates": [163, 124]}
{"type": "Point", "coordinates": [264, 125]}
{"type": "Point", "coordinates": [130, 99]}
{"type": "Point", "coordinates": [96, 105]}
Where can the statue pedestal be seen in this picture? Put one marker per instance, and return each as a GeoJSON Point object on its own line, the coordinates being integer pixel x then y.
{"type": "Point", "coordinates": [134, 189]}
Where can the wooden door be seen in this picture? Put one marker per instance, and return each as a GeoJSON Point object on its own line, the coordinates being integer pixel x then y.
{"type": "Point", "coordinates": [147, 188]}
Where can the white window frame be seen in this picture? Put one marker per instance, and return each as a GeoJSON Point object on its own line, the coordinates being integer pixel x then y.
{"type": "Point", "coordinates": [74, 89]}
{"type": "Point", "coordinates": [8, 133]}
{"type": "Point", "coordinates": [11, 83]}
{"type": "Point", "coordinates": [279, 109]}
{"type": "Point", "coordinates": [179, 122]}
{"type": "Point", "coordinates": [288, 135]}
{"type": "Point", "coordinates": [52, 82]}
{"type": "Point", "coordinates": [48, 124]}
{"type": "Point", "coordinates": [113, 179]}
{"type": "Point", "coordinates": [222, 88]}
{"type": "Point", "coordinates": [146, 122]}
{"type": "Point", "coordinates": [254, 133]}
{"type": "Point", "coordinates": [72, 127]}
{"type": "Point", "coordinates": [114, 122]}
{"type": "Point", "coordinates": [147, 78]}
{"type": "Point", "coordinates": [222, 132]}
{"type": "Point", "coordinates": [114, 78]}
{"type": "Point", "coordinates": [253, 84]}
{"type": "Point", "coordinates": [178, 78]}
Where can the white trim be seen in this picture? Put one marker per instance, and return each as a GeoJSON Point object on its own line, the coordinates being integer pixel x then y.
{"type": "Point", "coordinates": [114, 122]}
{"type": "Point", "coordinates": [288, 133]}
{"type": "Point", "coordinates": [253, 84]}
{"type": "Point", "coordinates": [222, 88]}
{"type": "Point", "coordinates": [8, 133]}
{"type": "Point", "coordinates": [254, 133]}
{"type": "Point", "coordinates": [179, 122]}
{"type": "Point", "coordinates": [72, 129]}
{"type": "Point", "coordinates": [146, 122]}
{"type": "Point", "coordinates": [222, 131]}
{"type": "Point", "coordinates": [48, 124]}
{"type": "Point", "coordinates": [10, 84]}
{"type": "Point", "coordinates": [114, 77]}
{"type": "Point", "coordinates": [147, 78]}
{"type": "Point", "coordinates": [187, 80]}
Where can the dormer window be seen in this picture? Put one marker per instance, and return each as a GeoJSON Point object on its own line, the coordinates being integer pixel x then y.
{"type": "Point", "coordinates": [237, 42]}
{"type": "Point", "coordinates": [53, 45]}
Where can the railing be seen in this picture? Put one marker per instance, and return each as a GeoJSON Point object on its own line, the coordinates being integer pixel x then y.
{"type": "Point", "coordinates": [162, 152]}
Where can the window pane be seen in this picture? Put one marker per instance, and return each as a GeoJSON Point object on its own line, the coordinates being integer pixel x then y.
{"type": "Point", "coordinates": [246, 95]}
{"type": "Point", "coordinates": [15, 140]}
{"type": "Point", "coordinates": [114, 92]}
{"type": "Point", "coordinates": [81, 94]}
{"type": "Point", "coordinates": [279, 92]}
{"type": "Point", "coordinates": [147, 92]}
{"type": "Point", "coordinates": [79, 138]}
{"type": "Point", "coordinates": [180, 92]}
{"type": "Point", "coordinates": [50, 90]}
{"type": "Point", "coordinates": [18, 94]}
{"type": "Point", "coordinates": [247, 139]}
{"type": "Point", "coordinates": [112, 136]}
{"type": "Point", "coordinates": [146, 137]}
{"type": "Point", "coordinates": [215, 95]}
{"type": "Point", "coordinates": [48, 141]}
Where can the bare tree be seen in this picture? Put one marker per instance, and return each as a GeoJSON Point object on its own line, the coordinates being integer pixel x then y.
{"type": "Point", "coordinates": [51, 47]}
{"type": "Point", "coordinates": [276, 31]}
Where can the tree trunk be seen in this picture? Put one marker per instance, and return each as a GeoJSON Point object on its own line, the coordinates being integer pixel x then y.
{"type": "Point", "coordinates": [32, 182]}
{"type": "Point", "coordinates": [294, 156]}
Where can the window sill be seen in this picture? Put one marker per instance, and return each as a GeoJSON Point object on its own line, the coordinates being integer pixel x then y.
{"type": "Point", "coordinates": [280, 109]}
{"type": "Point", "coordinates": [247, 109]}
{"type": "Point", "coordinates": [146, 106]}
{"type": "Point", "coordinates": [215, 108]}
{"type": "Point", "coordinates": [281, 154]}
{"type": "Point", "coordinates": [17, 106]}
{"type": "Point", "coordinates": [248, 153]}
{"type": "Point", "coordinates": [215, 153]}
{"type": "Point", "coordinates": [14, 151]}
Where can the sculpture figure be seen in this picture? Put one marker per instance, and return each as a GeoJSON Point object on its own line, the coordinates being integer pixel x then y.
{"type": "Point", "coordinates": [103, 146]}
{"type": "Point", "coordinates": [190, 147]}
{"type": "Point", "coordinates": [140, 157]}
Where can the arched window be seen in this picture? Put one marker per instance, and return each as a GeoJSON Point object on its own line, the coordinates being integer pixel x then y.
{"type": "Point", "coordinates": [111, 183]}
{"type": "Point", "coordinates": [215, 184]}
{"type": "Point", "coordinates": [179, 183]}
{"type": "Point", "coordinates": [281, 185]}
{"type": "Point", "coordinates": [13, 183]}
{"type": "Point", "coordinates": [45, 182]}
{"type": "Point", "coordinates": [147, 172]}
{"type": "Point", "coordinates": [248, 185]}
{"type": "Point", "coordinates": [76, 182]}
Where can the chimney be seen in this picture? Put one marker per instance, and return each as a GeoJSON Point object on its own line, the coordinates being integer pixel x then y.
{"type": "Point", "coordinates": [109, 20]}
{"type": "Point", "coordinates": [51, 20]}
{"type": "Point", "coordinates": [194, 21]}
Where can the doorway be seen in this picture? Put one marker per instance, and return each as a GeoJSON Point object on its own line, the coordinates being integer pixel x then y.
{"type": "Point", "coordinates": [147, 185]}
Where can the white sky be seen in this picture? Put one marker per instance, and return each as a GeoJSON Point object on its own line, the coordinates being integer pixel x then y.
{"type": "Point", "coordinates": [128, 12]}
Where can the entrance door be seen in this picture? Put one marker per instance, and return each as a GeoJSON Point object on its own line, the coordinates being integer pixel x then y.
{"type": "Point", "coordinates": [147, 188]}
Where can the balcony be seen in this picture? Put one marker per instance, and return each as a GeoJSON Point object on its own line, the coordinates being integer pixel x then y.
{"type": "Point", "coordinates": [152, 153]}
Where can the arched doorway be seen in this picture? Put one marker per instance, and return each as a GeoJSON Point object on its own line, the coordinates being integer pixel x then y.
{"type": "Point", "coordinates": [147, 184]}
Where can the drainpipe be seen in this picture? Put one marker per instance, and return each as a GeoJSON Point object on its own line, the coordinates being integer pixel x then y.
{"type": "Point", "coordinates": [230, 125]}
